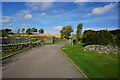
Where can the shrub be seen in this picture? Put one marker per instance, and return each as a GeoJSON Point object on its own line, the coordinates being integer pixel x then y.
{"type": "Point", "coordinates": [89, 37]}
{"type": "Point", "coordinates": [104, 37]}
{"type": "Point", "coordinates": [117, 40]}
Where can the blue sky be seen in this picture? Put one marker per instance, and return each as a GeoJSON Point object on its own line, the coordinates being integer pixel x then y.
{"type": "Point", "coordinates": [51, 16]}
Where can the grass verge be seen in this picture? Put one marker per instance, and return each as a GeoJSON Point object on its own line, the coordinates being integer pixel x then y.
{"type": "Point", "coordinates": [94, 65]}
{"type": "Point", "coordinates": [8, 54]}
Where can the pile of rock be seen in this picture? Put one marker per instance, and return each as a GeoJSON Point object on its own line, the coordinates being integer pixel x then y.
{"type": "Point", "coordinates": [102, 49]}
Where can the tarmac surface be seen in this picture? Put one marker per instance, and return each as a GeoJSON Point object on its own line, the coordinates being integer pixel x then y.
{"type": "Point", "coordinates": [47, 61]}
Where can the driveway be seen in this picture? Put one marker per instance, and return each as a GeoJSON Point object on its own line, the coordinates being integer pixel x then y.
{"type": "Point", "coordinates": [41, 62]}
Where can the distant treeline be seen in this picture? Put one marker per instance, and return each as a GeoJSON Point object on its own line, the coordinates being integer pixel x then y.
{"type": "Point", "coordinates": [5, 32]}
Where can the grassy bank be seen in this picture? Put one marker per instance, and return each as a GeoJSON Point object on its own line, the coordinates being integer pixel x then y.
{"type": "Point", "coordinates": [94, 65]}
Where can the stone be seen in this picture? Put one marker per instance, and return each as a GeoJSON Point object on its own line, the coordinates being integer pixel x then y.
{"type": "Point", "coordinates": [102, 49]}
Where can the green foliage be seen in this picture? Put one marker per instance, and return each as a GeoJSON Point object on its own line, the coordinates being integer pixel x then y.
{"type": "Point", "coordinates": [5, 32]}
{"type": "Point", "coordinates": [34, 30]}
{"type": "Point", "coordinates": [117, 40]}
{"type": "Point", "coordinates": [23, 30]}
{"type": "Point", "coordinates": [115, 32]}
{"type": "Point", "coordinates": [29, 31]}
{"type": "Point", "coordinates": [90, 37]}
{"type": "Point", "coordinates": [66, 31]}
{"type": "Point", "coordinates": [102, 37]}
{"type": "Point", "coordinates": [79, 31]}
{"type": "Point", "coordinates": [18, 31]}
{"type": "Point", "coordinates": [41, 31]}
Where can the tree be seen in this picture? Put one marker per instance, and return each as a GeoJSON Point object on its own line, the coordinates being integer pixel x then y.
{"type": "Point", "coordinates": [18, 31]}
{"type": "Point", "coordinates": [34, 30]}
{"type": "Point", "coordinates": [5, 32]}
{"type": "Point", "coordinates": [41, 31]}
{"type": "Point", "coordinates": [29, 31]}
{"type": "Point", "coordinates": [117, 40]}
{"type": "Point", "coordinates": [104, 37]}
{"type": "Point", "coordinates": [79, 31]}
{"type": "Point", "coordinates": [23, 30]}
{"type": "Point", "coordinates": [115, 32]}
{"type": "Point", "coordinates": [66, 31]}
{"type": "Point", "coordinates": [90, 37]}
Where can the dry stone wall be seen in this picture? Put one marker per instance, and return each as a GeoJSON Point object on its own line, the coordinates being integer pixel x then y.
{"type": "Point", "coordinates": [16, 47]}
{"type": "Point", "coordinates": [102, 49]}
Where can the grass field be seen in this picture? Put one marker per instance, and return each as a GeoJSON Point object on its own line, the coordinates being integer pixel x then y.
{"type": "Point", "coordinates": [55, 42]}
{"type": "Point", "coordinates": [77, 44]}
{"type": "Point", "coordinates": [35, 35]}
{"type": "Point", "coordinates": [94, 65]}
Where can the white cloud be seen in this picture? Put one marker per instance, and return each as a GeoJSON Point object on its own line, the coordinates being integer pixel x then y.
{"type": "Point", "coordinates": [25, 11]}
{"type": "Point", "coordinates": [7, 21]}
{"type": "Point", "coordinates": [40, 0]}
{"type": "Point", "coordinates": [81, 4]}
{"type": "Point", "coordinates": [28, 16]}
{"type": "Point", "coordinates": [97, 29]}
{"type": "Point", "coordinates": [21, 14]}
{"type": "Point", "coordinates": [43, 13]}
{"type": "Point", "coordinates": [60, 0]}
{"type": "Point", "coordinates": [40, 5]}
{"type": "Point", "coordinates": [39, 14]}
{"type": "Point", "coordinates": [25, 25]}
{"type": "Point", "coordinates": [96, 0]}
{"type": "Point", "coordinates": [8, 17]}
{"type": "Point", "coordinates": [57, 27]}
{"type": "Point", "coordinates": [9, 25]}
{"type": "Point", "coordinates": [57, 11]}
{"type": "Point", "coordinates": [103, 10]}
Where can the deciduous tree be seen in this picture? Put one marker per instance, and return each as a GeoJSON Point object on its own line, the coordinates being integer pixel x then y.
{"type": "Point", "coordinates": [18, 31]}
{"type": "Point", "coordinates": [29, 31]}
{"type": "Point", "coordinates": [41, 31]}
{"type": "Point", "coordinates": [23, 30]}
{"type": "Point", "coordinates": [66, 31]}
{"type": "Point", "coordinates": [79, 31]}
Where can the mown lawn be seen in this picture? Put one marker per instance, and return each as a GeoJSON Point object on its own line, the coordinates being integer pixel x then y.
{"type": "Point", "coordinates": [76, 44]}
{"type": "Point", "coordinates": [94, 65]}
{"type": "Point", "coordinates": [55, 42]}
